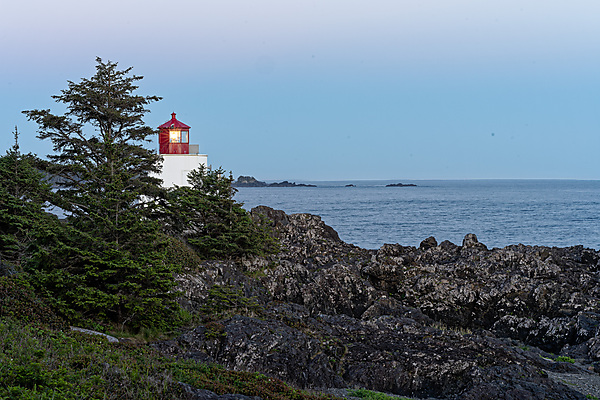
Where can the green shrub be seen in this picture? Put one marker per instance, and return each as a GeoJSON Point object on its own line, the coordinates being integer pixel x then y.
{"type": "Point", "coordinates": [222, 301]}
{"type": "Point", "coordinates": [18, 300]}
{"type": "Point", "coordinates": [371, 395]}
{"type": "Point", "coordinates": [107, 286]}
{"type": "Point", "coordinates": [180, 256]}
{"type": "Point", "coordinates": [207, 218]}
{"type": "Point", "coordinates": [565, 359]}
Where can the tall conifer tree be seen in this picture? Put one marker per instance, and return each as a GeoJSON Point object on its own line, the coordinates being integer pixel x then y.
{"type": "Point", "coordinates": [23, 221]}
{"type": "Point", "coordinates": [105, 184]}
{"type": "Point", "coordinates": [100, 164]}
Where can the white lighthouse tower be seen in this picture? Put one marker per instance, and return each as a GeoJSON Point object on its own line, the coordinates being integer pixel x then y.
{"type": "Point", "coordinates": [179, 156]}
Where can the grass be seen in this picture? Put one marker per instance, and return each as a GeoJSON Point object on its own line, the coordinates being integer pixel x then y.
{"type": "Point", "coordinates": [39, 363]}
{"type": "Point", "coordinates": [371, 395]}
{"type": "Point", "coordinates": [443, 327]}
{"type": "Point", "coordinates": [564, 359]}
{"type": "Point", "coordinates": [40, 358]}
{"type": "Point", "coordinates": [222, 381]}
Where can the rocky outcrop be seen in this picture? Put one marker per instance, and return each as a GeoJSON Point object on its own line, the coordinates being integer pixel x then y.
{"type": "Point", "coordinates": [250, 181]}
{"type": "Point", "coordinates": [401, 185]}
{"type": "Point", "coordinates": [390, 354]}
{"type": "Point", "coordinates": [439, 321]}
{"type": "Point", "coordinates": [289, 184]}
{"type": "Point", "coordinates": [547, 297]}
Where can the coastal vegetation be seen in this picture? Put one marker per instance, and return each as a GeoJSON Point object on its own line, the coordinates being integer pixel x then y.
{"type": "Point", "coordinates": [111, 260]}
{"type": "Point", "coordinates": [40, 358]}
{"type": "Point", "coordinates": [205, 216]}
{"type": "Point", "coordinates": [110, 264]}
{"type": "Point", "coordinates": [371, 395]}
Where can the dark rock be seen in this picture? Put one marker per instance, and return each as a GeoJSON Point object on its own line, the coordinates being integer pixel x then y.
{"type": "Point", "coordinates": [298, 229]}
{"type": "Point", "coordinates": [202, 394]}
{"type": "Point", "coordinates": [587, 325]}
{"type": "Point", "coordinates": [389, 354]}
{"type": "Point", "coordinates": [275, 218]}
{"type": "Point", "coordinates": [250, 181]}
{"type": "Point", "coordinates": [470, 241]}
{"type": "Point", "coordinates": [549, 334]}
{"type": "Point", "coordinates": [453, 322]}
{"type": "Point", "coordinates": [289, 184]}
{"type": "Point", "coordinates": [401, 185]}
{"type": "Point", "coordinates": [428, 243]}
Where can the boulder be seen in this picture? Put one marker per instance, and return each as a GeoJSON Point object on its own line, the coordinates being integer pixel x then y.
{"type": "Point", "coordinates": [428, 243]}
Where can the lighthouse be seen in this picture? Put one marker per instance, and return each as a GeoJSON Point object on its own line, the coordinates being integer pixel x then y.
{"type": "Point", "coordinates": [179, 156]}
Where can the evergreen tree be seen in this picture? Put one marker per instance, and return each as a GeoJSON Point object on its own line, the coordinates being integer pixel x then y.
{"type": "Point", "coordinates": [24, 224]}
{"type": "Point", "coordinates": [112, 266]}
{"type": "Point", "coordinates": [207, 218]}
{"type": "Point", "coordinates": [100, 164]}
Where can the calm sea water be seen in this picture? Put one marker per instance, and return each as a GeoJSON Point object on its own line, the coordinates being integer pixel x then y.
{"type": "Point", "coordinates": [500, 212]}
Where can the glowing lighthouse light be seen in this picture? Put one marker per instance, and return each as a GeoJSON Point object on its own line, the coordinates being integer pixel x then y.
{"type": "Point", "coordinates": [173, 137]}
{"type": "Point", "coordinates": [179, 156]}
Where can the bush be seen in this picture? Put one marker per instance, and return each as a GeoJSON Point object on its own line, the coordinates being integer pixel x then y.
{"type": "Point", "coordinates": [207, 218]}
{"type": "Point", "coordinates": [224, 301]}
{"type": "Point", "coordinates": [18, 300]}
{"type": "Point", "coordinates": [107, 286]}
{"type": "Point", "coordinates": [180, 255]}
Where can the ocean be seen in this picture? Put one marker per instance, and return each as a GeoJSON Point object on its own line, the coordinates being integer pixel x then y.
{"type": "Point", "coordinates": [500, 212]}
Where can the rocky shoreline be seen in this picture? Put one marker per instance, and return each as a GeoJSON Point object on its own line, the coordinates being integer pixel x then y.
{"type": "Point", "coordinates": [441, 321]}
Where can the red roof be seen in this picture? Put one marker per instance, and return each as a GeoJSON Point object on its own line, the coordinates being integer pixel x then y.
{"type": "Point", "coordinates": [174, 123]}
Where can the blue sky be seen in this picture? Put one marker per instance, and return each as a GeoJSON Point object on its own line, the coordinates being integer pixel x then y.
{"type": "Point", "coordinates": [336, 89]}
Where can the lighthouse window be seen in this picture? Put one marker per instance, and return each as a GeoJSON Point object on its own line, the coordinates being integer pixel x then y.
{"type": "Point", "coordinates": [178, 136]}
{"type": "Point", "coordinates": [174, 137]}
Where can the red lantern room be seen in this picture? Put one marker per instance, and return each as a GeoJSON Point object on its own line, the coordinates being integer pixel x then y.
{"type": "Point", "coordinates": [174, 137]}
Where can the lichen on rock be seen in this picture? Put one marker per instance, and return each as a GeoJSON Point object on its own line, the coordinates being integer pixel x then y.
{"type": "Point", "coordinates": [438, 321]}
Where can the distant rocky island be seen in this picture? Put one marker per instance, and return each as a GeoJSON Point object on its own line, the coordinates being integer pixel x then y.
{"type": "Point", "coordinates": [250, 181]}
{"type": "Point", "coordinates": [401, 185]}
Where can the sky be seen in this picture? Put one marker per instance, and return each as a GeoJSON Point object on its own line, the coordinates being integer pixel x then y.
{"type": "Point", "coordinates": [332, 89]}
